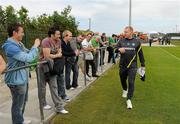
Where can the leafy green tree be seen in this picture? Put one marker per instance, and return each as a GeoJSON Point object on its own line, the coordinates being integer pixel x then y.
{"type": "Point", "coordinates": [2, 18]}
{"type": "Point", "coordinates": [10, 16]}
{"type": "Point", "coordinates": [23, 15]}
{"type": "Point", "coordinates": [37, 26]}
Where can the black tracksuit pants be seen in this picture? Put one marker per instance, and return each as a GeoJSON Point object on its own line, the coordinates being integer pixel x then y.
{"type": "Point", "coordinates": [90, 62]}
{"type": "Point", "coordinates": [111, 55]}
{"type": "Point", "coordinates": [129, 74]}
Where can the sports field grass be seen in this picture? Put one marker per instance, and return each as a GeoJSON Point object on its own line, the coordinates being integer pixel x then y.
{"type": "Point", "coordinates": [155, 101]}
{"type": "Point", "coordinates": [176, 42]}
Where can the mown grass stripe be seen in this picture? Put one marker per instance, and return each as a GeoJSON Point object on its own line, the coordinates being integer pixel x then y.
{"type": "Point", "coordinates": [170, 53]}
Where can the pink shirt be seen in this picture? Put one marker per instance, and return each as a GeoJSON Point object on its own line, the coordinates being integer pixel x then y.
{"type": "Point", "coordinates": [48, 43]}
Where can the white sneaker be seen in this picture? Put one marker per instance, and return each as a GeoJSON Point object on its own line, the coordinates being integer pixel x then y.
{"type": "Point", "coordinates": [124, 93]}
{"type": "Point", "coordinates": [47, 107]}
{"type": "Point", "coordinates": [78, 86]}
{"type": "Point", "coordinates": [64, 111]}
{"type": "Point", "coordinates": [66, 99]}
{"type": "Point", "coordinates": [72, 88]}
{"type": "Point", "coordinates": [27, 122]}
{"type": "Point", "coordinates": [88, 78]}
{"type": "Point", "coordinates": [129, 104]}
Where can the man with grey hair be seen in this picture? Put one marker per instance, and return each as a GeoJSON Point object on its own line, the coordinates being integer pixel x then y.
{"type": "Point", "coordinates": [76, 45]}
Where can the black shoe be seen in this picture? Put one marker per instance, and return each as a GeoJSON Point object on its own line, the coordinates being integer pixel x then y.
{"type": "Point", "coordinates": [88, 75]}
{"type": "Point", "coordinates": [66, 99]}
{"type": "Point", "coordinates": [68, 88]}
{"type": "Point", "coordinates": [95, 75]}
{"type": "Point", "coordinates": [143, 78]}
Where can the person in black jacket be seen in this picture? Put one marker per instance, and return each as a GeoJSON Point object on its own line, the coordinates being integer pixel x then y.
{"type": "Point", "coordinates": [129, 47]}
{"type": "Point", "coordinates": [70, 60]}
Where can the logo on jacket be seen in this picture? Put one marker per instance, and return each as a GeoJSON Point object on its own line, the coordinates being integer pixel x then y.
{"type": "Point", "coordinates": [133, 44]}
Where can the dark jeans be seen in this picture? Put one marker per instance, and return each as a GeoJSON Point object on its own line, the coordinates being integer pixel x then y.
{"type": "Point", "coordinates": [111, 55]}
{"type": "Point", "coordinates": [129, 74]}
{"type": "Point", "coordinates": [150, 42]}
{"type": "Point", "coordinates": [19, 94]}
{"type": "Point", "coordinates": [102, 54]}
{"type": "Point", "coordinates": [96, 60]}
{"type": "Point", "coordinates": [61, 86]}
{"type": "Point", "coordinates": [74, 67]}
{"type": "Point", "coordinates": [90, 62]}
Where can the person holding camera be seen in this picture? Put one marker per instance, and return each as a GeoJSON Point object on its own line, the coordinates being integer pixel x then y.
{"type": "Point", "coordinates": [17, 81]}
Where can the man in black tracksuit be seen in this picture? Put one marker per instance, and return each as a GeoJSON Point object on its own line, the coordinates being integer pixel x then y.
{"type": "Point", "coordinates": [129, 47]}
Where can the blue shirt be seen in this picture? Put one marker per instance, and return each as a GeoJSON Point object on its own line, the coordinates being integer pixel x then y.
{"type": "Point", "coordinates": [17, 55]}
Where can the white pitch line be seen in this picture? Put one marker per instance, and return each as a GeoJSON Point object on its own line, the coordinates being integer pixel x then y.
{"type": "Point", "coordinates": [170, 54]}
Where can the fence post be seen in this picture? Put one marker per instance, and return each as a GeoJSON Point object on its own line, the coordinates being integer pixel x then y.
{"type": "Point", "coordinates": [39, 92]}
{"type": "Point", "coordinates": [101, 57]}
{"type": "Point", "coordinates": [84, 68]}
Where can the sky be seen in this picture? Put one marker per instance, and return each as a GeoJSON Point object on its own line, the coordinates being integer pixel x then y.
{"type": "Point", "coordinates": [110, 16]}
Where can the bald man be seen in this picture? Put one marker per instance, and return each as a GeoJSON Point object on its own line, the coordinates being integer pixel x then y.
{"type": "Point", "coordinates": [129, 47]}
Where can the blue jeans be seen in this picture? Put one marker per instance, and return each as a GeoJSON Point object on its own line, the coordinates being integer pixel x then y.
{"type": "Point", "coordinates": [19, 94]}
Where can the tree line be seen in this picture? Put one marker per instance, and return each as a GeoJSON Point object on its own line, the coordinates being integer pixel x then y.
{"type": "Point", "coordinates": [63, 20]}
{"type": "Point", "coordinates": [36, 26]}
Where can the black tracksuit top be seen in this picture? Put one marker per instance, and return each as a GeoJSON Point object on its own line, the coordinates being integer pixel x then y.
{"type": "Point", "coordinates": [131, 49]}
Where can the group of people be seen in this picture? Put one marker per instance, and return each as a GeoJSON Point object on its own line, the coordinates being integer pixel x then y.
{"type": "Point", "coordinates": [64, 54]}
{"type": "Point", "coordinates": [165, 40]}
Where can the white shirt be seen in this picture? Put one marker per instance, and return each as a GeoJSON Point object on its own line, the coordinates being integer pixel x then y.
{"type": "Point", "coordinates": [88, 54]}
{"type": "Point", "coordinates": [86, 44]}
